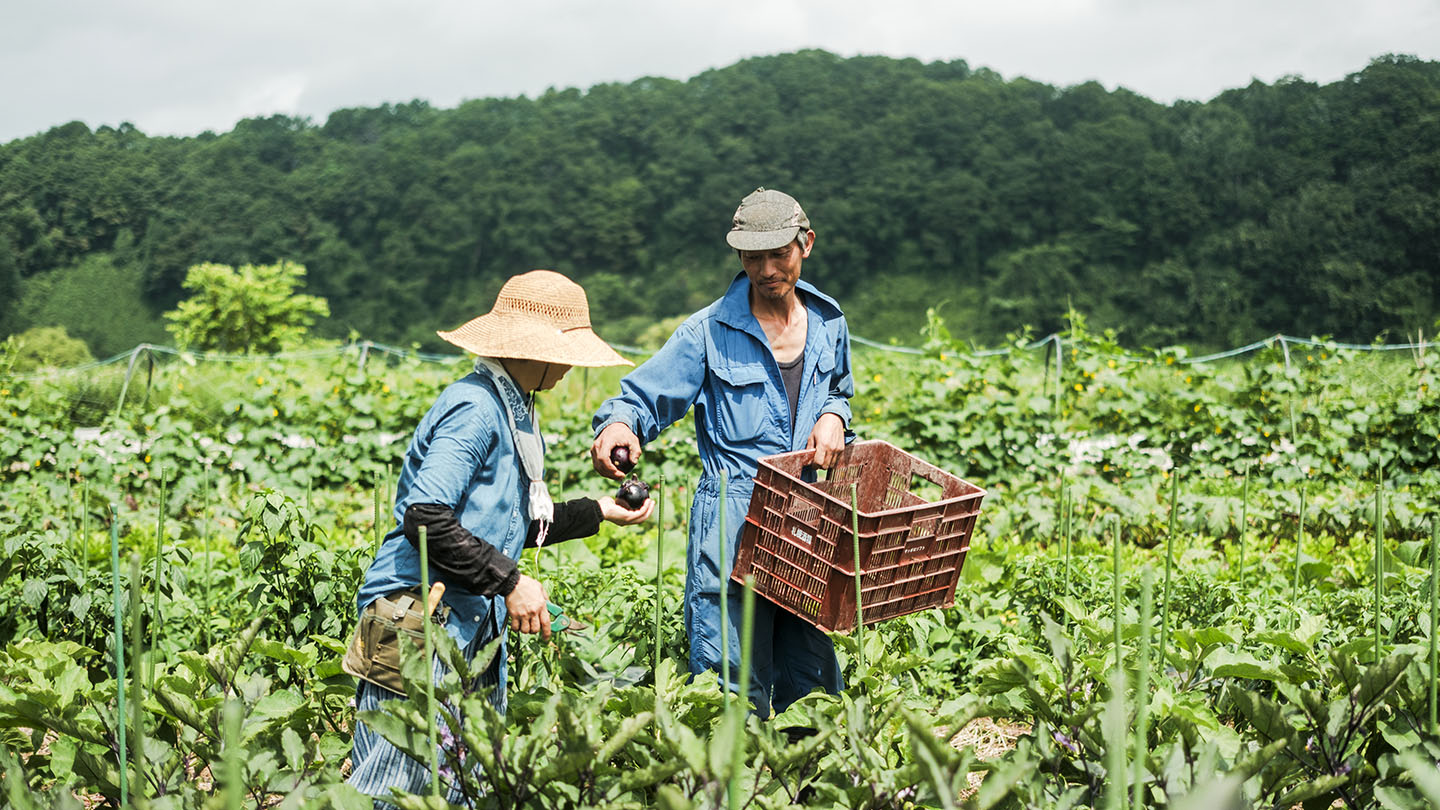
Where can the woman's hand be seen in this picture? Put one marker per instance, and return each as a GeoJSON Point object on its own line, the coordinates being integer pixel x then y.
{"type": "Point", "coordinates": [619, 515]}
{"type": "Point", "coordinates": [529, 608]}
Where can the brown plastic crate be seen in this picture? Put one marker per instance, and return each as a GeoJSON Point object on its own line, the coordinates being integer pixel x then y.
{"type": "Point", "coordinates": [797, 539]}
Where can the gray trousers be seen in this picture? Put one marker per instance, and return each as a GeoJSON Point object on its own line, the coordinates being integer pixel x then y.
{"type": "Point", "coordinates": [377, 766]}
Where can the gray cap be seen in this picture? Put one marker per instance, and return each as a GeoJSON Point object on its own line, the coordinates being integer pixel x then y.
{"type": "Point", "coordinates": [767, 219]}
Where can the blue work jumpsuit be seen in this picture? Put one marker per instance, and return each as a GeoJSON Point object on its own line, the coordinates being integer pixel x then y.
{"type": "Point", "coordinates": [719, 361]}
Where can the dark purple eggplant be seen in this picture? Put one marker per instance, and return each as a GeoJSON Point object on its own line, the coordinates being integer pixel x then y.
{"type": "Point", "coordinates": [632, 493]}
{"type": "Point", "coordinates": [620, 457]}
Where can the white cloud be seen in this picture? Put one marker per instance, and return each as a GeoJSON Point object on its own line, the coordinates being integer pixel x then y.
{"type": "Point", "coordinates": [182, 66]}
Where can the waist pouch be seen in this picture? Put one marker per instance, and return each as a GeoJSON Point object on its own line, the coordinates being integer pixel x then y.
{"type": "Point", "coordinates": [374, 653]}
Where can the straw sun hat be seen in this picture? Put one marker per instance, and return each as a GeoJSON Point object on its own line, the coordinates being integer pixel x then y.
{"type": "Point", "coordinates": [539, 315]}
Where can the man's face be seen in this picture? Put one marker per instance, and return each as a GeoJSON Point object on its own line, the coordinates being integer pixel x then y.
{"type": "Point", "coordinates": [773, 273]}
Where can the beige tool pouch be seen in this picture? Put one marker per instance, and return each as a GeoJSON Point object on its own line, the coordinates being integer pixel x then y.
{"type": "Point", "coordinates": [374, 653]}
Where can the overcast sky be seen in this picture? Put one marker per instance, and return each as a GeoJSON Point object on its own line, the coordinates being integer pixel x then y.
{"type": "Point", "coordinates": [184, 66]}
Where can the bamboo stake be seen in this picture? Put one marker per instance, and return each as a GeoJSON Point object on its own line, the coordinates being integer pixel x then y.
{"type": "Point", "coordinates": [119, 651]}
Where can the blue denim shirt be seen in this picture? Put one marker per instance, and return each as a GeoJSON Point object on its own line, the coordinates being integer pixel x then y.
{"type": "Point", "coordinates": [463, 456]}
{"type": "Point", "coordinates": [719, 362]}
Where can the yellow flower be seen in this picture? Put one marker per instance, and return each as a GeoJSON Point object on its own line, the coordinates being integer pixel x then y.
{"type": "Point", "coordinates": [1106, 468]}
{"type": "Point", "coordinates": [1100, 388]}
{"type": "Point", "coordinates": [385, 389]}
{"type": "Point", "coordinates": [180, 386]}
{"type": "Point", "coordinates": [877, 378]}
{"type": "Point", "coordinates": [4, 392]}
{"type": "Point", "coordinates": [1187, 380]}
{"type": "Point", "coordinates": [1079, 387]}
{"type": "Point", "coordinates": [1197, 407]}
{"type": "Point", "coordinates": [1219, 429]}
{"type": "Point", "coordinates": [1169, 361]}
{"type": "Point", "coordinates": [147, 459]}
{"type": "Point", "coordinates": [259, 380]}
{"type": "Point", "coordinates": [1309, 358]}
{"type": "Point", "coordinates": [274, 412]}
{"type": "Point", "coordinates": [1110, 363]}
{"type": "Point", "coordinates": [1267, 434]}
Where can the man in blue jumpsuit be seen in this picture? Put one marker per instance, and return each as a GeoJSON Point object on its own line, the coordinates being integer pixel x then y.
{"type": "Point", "coordinates": [767, 370]}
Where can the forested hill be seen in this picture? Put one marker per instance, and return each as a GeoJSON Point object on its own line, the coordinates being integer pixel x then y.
{"type": "Point", "coordinates": [1289, 207]}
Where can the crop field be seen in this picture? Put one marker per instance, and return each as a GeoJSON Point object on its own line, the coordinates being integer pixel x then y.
{"type": "Point", "coordinates": [1191, 584]}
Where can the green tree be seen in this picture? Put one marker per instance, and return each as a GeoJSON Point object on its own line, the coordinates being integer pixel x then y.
{"type": "Point", "coordinates": [253, 309]}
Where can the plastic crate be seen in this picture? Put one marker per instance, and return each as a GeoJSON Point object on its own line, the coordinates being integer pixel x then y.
{"type": "Point", "coordinates": [797, 540]}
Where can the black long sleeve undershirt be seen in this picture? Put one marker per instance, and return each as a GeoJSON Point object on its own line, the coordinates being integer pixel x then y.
{"type": "Point", "coordinates": [457, 553]}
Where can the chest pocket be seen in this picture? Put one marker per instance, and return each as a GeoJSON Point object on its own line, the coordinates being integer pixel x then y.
{"type": "Point", "coordinates": [740, 407]}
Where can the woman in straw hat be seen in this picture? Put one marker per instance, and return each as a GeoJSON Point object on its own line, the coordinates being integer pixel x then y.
{"type": "Point", "coordinates": [472, 477]}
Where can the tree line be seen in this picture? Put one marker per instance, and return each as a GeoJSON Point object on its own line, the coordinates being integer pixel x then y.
{"type": "Point", "coordinates": [1287, 207]}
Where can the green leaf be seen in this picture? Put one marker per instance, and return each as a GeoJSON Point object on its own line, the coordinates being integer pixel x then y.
{"type": "Point", "coordinates": [1228, 664]}
{"type": "Point", "coordinates": [1318, 787]}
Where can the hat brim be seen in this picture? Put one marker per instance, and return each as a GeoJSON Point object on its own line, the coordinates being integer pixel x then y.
{"type": "Point", "coordinates": [492, 335]}
{"type": "Point", "coordinates": [761, 240]}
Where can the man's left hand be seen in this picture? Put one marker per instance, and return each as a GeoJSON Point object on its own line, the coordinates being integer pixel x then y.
{"type": "Point", "coordinates": [827, 440]}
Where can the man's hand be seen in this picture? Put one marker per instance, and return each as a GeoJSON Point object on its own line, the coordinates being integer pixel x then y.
{"type": "Point", "coordinates": [615, 434]}
{"type": "Point", "coordinates": [827, 440]}
{"type": "Point", "coordinates": [620, 516]}
{"type": "Point", "coordinates": [529, 608]}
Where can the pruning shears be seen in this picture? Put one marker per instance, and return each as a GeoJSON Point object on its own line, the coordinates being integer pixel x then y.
{"type": "Point", "coordinates": [558, 620]}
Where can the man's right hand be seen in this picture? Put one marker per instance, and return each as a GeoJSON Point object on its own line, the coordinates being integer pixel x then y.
{"type": "Point", "coordinates": [529, 608]}
{"type": "Point", "coordinates": [615, 434]}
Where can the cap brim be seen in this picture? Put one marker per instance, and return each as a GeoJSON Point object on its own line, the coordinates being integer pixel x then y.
{"type": "Point", "coordinates": [761, 240]}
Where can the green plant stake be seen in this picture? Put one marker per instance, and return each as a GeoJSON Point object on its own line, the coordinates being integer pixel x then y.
{"type": "Point", "coordinates": [1169, 562]}
{"type": "Point", "coordinates": [233, 758]}
{"type": "Point", "coordinates": [429, 651]}
{"type": "Point", "coordinates": [137, 697]}
{"type": "Point", "coordinates": [1142, 689]}
{"type": "Point", "coordinates": [659, 558]}
{"type": "Point", "coordinates": [70, 515]}
{"type": "Point", "coordinates": [1065, 576]}
{"type": "Point", "coordinates": [1115, 531]}
{"type": "Point", "coordinates": [859, 601]}
{"type": "Point", "coordinates": [1379, 554]}
{"type": "Point", "coordinates": [724, 610]}
{"type": "Point", "coordinates": [1434, 599]}
{"type": "Point", "coordinates": [158, 619]}
{"type": "Point", "coordinates": [379, 532]}
{"type": "Point", "coordinates": [85, 520]}
{"type": "Point", "coordinates": [1299, 541]}
{"type": "Point", "coordinates": [119, 650]}
{"type": "Point", "coordinates": [205, 545]}
{"type": "Point", "coordinates": [747, 633]}
{"type": "Point", "coordinates": [1244, 522]}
